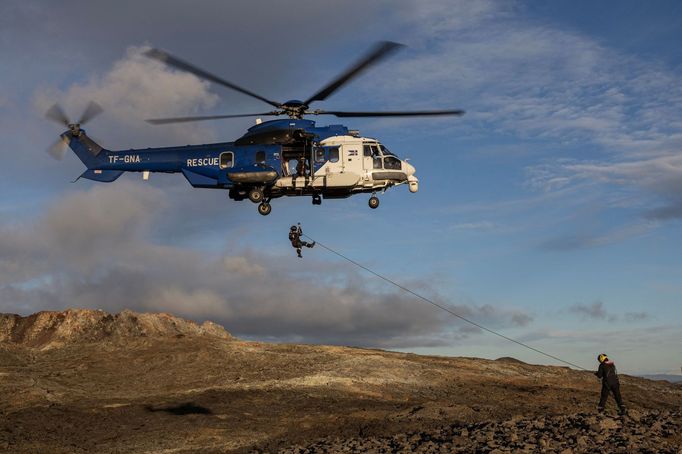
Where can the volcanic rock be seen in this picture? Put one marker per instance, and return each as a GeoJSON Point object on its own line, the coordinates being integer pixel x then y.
{"type": "Point", "coordinates": [617, 434]}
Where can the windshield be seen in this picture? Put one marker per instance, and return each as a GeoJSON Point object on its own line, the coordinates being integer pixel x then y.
{"type": "Point", "coordinates": [386, 151]}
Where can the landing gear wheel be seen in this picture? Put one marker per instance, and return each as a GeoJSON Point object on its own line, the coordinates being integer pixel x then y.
{"type": "Point", "coordinates": [264, 208]}
{"type": "Point", "coordinates": [317, 200]}
{"type": "Point", "coordinates": [256, 195]}
{"type": "Point", "coordinates": [373, 202]}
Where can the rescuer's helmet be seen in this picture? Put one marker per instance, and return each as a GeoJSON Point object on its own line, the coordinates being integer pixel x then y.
{"type": "Point", "coordinates": [602, 357]}
{"type": "Point", "coordinates": [293, 228]}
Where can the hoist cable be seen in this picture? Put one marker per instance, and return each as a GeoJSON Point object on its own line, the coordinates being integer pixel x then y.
{"type": "Point", "coordinates": [423, 298]}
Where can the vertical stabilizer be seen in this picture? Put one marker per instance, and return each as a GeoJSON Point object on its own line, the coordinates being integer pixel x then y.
{"type": "Point", "coordinates": [87, 150]}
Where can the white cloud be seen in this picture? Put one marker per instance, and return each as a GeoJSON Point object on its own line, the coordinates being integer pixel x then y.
{"type": "Point", "coordinates": [134, 89]}
{"type": "Point", "coordinates": [532, 80]}
{"type": "Point", "coordinates": [583, 240]}
{"type": "Point", "coordinates": [659, 175]}
{"type": "Point", "coordinates": [242, 266]}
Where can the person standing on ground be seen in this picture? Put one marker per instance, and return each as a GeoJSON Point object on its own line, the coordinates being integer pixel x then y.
{"type": "Point", "coordinates": [609, 383]}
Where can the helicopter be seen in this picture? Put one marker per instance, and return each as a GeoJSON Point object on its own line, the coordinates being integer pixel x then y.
{"type": "Point", "coordinates": [275, 158]}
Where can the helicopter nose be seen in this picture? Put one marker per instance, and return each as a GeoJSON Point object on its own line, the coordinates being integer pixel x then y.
{"type": "Point", "coordinates": [412, 181]}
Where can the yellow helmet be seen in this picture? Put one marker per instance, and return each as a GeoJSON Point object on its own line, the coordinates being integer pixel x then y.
{"type": "Point", "coordinates": [602, 357]}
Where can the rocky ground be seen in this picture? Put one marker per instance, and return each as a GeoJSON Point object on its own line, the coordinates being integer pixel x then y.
{"type": "Point", "coordinates": [87, 381]}
{"type": "Point", "coordinates": [643, 432]}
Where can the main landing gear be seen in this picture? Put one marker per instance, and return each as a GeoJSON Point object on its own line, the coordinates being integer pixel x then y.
{"type": "Point", "coordinates": [264, 208]}
{"type": "Point", "coordinates": [317, 199]}
{"type": "Point", "coordinates": [374, 202]}
{"type": "Point", "coordinates": [256, 195]}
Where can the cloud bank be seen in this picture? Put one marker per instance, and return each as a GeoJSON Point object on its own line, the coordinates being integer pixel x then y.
{"type": "Point", "coordinates": [98, 249]}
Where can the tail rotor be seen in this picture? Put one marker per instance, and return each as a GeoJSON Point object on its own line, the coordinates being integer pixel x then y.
{"type": "Point", "coordinates": [58, 149]}
{"type": "Point", "coordinates": [56, 114]}
{"type": "Point", "coordinates": [91, 111]}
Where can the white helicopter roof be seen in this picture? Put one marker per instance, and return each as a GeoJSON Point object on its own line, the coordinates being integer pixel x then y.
{"type": "Point", "coordinates": [340, 140]}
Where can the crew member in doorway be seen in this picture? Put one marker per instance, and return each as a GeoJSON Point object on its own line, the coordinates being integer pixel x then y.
{"type": "Point", "coordinates": [609, 383]}
{"type": "Point", "coordinates": [300, 167]}
{"type": "Point", "coordinates": [295, 238]}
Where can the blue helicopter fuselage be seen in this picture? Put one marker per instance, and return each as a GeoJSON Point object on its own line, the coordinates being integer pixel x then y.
{"type": "Point", "coordinates": [257, 151]}
{"type": "Point", "coordinates": [291, 157]}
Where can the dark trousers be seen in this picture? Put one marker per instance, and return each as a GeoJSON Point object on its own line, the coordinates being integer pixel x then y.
{"type": "Point", "coordinates": [298, 244]}
{"type": "Point", "coordinates": [615, 389]}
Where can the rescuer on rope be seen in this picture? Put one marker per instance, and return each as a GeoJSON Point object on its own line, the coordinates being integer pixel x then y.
{"type": "Point", "coordinates": [295, 238]}
{"type": "Point", "coordinates": [609, 383]}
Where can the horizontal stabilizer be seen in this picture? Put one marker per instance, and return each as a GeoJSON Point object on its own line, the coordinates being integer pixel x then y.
{"type": "Point", "coordinates": [103, 176]}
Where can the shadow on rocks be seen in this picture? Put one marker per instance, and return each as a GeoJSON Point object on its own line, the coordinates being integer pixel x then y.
{"type": "Point", "coordinates": [188, 408]}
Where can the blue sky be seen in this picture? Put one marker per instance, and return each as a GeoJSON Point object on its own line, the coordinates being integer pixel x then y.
{"type": "Point", "coordinates": [550, 211]}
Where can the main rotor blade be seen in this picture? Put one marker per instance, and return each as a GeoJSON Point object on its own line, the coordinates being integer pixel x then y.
{"type": "Point", "coordinates": [170, 60]}
{"type": "Point", "coordinates": [57, 149]}
{"type": "Point", "coordinates": [163, 121]}
{"type": "Point", "coordinates": [57, 114]}
{"type": "Point", "coordinates": [381, 50]}
{"type": "Point", "coordinates": [91, 111]}
{"type": "Point", "coordinates": [415, 113]}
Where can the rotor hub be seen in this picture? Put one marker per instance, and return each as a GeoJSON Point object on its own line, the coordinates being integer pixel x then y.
{"type": "Point", "coordinates": [75, 129]}
{"type": "Point", "coordinates": [295, 108]}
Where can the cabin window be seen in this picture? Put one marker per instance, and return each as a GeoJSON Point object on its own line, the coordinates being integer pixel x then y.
{"type": "Point", "coordinates": [333, 155]}
{"type": "Point", "coordinates": [226, 160]}
{"type": "Point", "coordinates": [392, 163]}
{"type": "Point", "coordinates": [319, 155]}
{"type": "Point", "coordinates": [260, 157]}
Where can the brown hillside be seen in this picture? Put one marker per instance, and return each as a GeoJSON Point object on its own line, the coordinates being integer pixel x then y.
{"type": "Point", "coordinates": [171, 386]}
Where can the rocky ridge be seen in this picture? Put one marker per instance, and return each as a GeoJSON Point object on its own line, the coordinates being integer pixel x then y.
{"type": "Point", "coordinates": [53, 329]}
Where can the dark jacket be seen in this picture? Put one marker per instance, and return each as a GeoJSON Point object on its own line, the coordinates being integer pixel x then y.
{"type": "Point", "coordinates": [607, 373]}
{"type": "Point", "coordinates": [295, 237]}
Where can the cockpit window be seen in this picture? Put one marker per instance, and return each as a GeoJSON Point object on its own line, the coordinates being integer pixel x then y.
{"type": "Point", "coordinates": [386, 151]}
{"type": "Point", "coordinates": [371, 149]}
{"type": "Point", "coordinates": [333, 154]}
{"type": "Point", "coordinates": [392, 163]}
